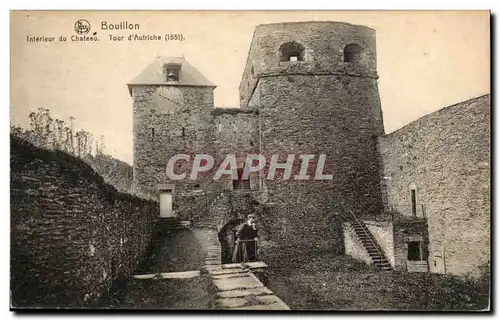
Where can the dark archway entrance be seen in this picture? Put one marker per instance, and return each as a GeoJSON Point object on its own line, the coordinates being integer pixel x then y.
{"type": "Point", "coordinates": [227, 239]}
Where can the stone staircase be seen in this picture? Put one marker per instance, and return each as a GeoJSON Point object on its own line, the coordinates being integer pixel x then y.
{"type": "Point", "coordinates": [417, 266]}
{"type": "Point", "coordinates": [172, 223]}
{"type": "Point", "coordinates": [376, 254]}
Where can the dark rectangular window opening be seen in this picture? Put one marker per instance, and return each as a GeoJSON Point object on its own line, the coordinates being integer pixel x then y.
{"type": "Point", "coordinates": [414, 251]}
{"type": "Point", "coordinates": [240, 183]}
{"type": "Point", "coordinates": [152, 134]}
{"type": "Point", "coordinates": [413, 203]}
{"type": "Point", "coordinates": [172, 72]}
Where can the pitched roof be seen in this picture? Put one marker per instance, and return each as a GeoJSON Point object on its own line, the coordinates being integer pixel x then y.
{"type": "Point", "coordinates": [153, 74]}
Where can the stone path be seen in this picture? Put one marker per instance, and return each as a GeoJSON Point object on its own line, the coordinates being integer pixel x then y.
{"type": "Point", "coordinates": [169, 275]}
{"type": "Point", "coordinates": [238, 288]}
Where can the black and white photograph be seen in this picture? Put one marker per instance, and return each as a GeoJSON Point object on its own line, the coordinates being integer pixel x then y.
{"type": "Point", "coordinates": [250, 160]}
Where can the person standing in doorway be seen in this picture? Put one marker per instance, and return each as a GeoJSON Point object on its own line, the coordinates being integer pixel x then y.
{"type": "Point", "coordinates": [246, 241]}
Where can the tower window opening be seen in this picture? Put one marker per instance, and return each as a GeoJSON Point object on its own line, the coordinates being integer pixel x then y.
{"type": "Point", "coordinates": [171, 72]}
{"type": "Point", "coordinates": [413, 196]}
{"type": "Point", "coordinates": [352, 53]}
{"type": "Point", "coordinates": [152, 134]}
{"type": "Point", "coordinates": [183, 132]}
{"type": "Point", "coordinates": [292, 51]}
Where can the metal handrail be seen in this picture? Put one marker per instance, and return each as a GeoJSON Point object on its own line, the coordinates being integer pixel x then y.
{"type": "Point", "coordinates": [397, 211]}
{"type": "Point", "coordinates": [368, 234]}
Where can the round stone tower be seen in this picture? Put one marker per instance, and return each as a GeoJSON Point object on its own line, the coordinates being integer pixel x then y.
{"type": "Point", "coordinates": [315, 87]}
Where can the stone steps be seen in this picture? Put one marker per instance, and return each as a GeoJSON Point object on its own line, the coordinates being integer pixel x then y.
{"type": "Point", "coordinates": [418, 270]}
{"type": "Point", "coordinates": [417, 266]}
{"type": "Point", "coordinates": [376, 255]}
{"type": "Point", "coordinates": [240, 289]}
{"type": "Point", "coordinates": [379, 259]}
{"type": "Point", "coordinates": [237, 287]}
{"type": "Point", "coordinates": [172, 223]}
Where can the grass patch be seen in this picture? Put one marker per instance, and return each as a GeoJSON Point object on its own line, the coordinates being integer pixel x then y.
{"type": "Point", "coordinates": [167, 294]}
{"type": "Point", "coordinates": [173, 251]}
{"type": "Point", "coordinates": [327, 284]}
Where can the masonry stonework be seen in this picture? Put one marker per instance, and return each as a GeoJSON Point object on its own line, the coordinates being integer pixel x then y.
{"type": "Point", "coordinates": [311, 88]}
{"type": "Point", "coordinates": [353, 246]}
{"type": "Point", "coordinates": [169, 121]}
{"type": "Point", "coordinates": [72, 236]}
{"type": "Point", "coordinates": [446, 157]}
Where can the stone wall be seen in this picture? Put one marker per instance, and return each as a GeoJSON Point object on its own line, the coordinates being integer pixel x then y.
{"type": "Point", "coordinates": [236, 132]}
{"type": "Point", "coordinates": [172, 120]}
{"type": "Point", "coordinates": [353, 245]}
{"type": "Point", "coordinates": [402, 231]}
{"type": "Point", "coordinates": [319, 105]}
{"type": "Point", "coordinates": [320, 114]}
{"type": "Point", "coordinates": [445, 156]}
{"type": "Point", "coordinates": [323, 44]}
{"type": "Point", "coordinates": [217, 209]}
{"type": "Point", "coordinates": [72, 235]}
{"type": "Point", "coordinates": [181, 123]}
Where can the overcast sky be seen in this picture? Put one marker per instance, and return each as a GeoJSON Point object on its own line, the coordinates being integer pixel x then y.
{"type": "Point", "coordinates": [426, 61]}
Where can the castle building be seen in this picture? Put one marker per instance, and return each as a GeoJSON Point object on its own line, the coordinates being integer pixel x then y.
{"type": "Point", "coordinates": [310, 88]}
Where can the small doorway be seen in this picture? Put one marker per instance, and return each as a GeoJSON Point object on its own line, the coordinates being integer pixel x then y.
{"type": "Point", "coordinates": [414, 251]}
{"type": "Point", "coordinates": [227, 239]}
{"type": "Point", "coordinates": [166, 208]}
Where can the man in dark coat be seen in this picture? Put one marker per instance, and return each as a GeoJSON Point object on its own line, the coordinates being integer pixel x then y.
{"type": "Point", "coordinates": [246, 241]}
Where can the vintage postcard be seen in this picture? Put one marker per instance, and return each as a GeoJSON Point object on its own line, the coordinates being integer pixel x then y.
{"type": "Point", "coordinates": [250, 160]}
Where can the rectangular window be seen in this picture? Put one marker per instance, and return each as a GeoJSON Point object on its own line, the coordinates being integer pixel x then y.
{"type": "Point", "coordinates": [293, 58]}
{"type": "Point", "coordinates": [413, 203]}
{"type": "Point", "coordinates": [414, 251]}
{"type": "Point", "coordinates": [172, 72]}
{"type": "Point", "coordinates": [241, 183]}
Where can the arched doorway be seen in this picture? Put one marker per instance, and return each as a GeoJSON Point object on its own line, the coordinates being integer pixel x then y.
{"type": "Point", "coordinates": [227, 239]}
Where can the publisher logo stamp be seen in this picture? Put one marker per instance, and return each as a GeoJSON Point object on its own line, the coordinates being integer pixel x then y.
{"type": "Point", "coordinates": [82, 27]}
